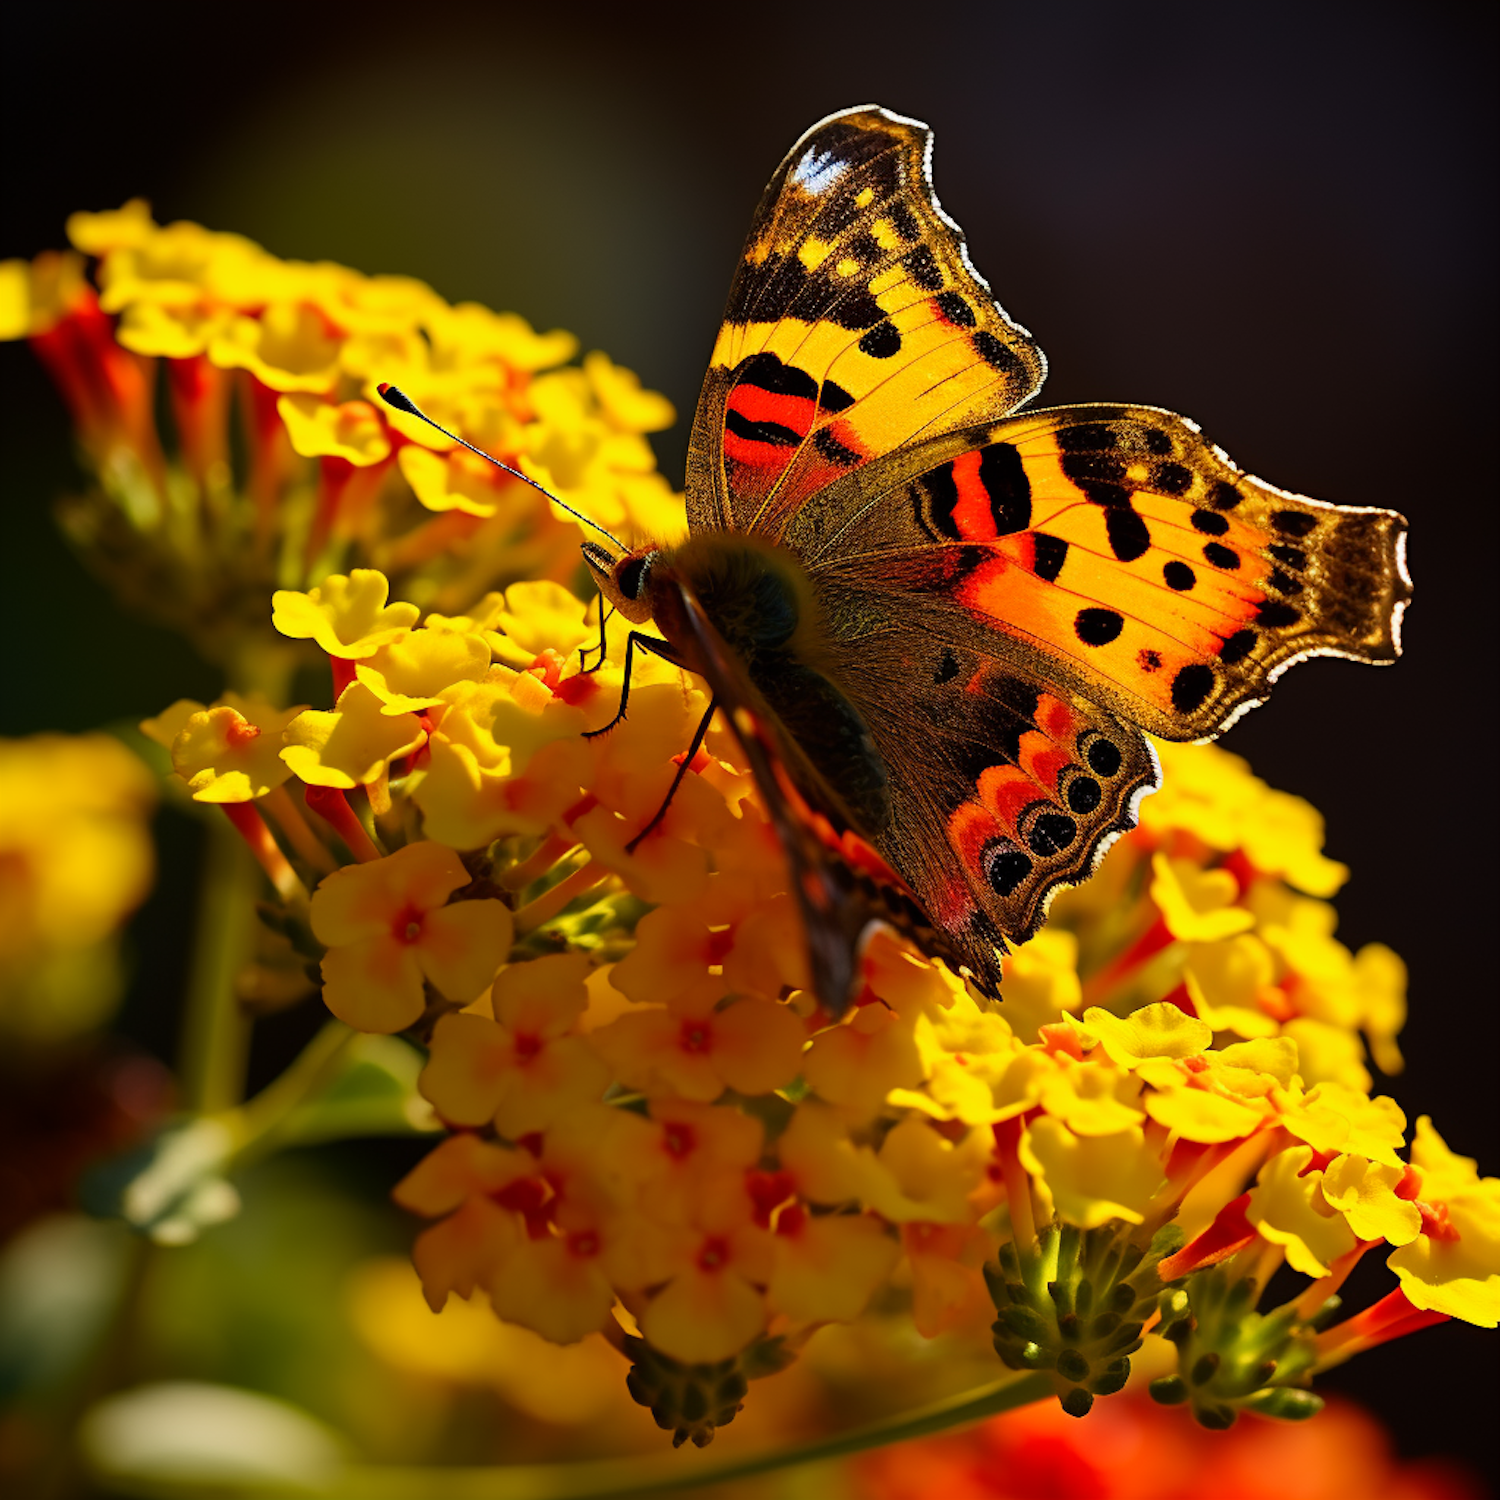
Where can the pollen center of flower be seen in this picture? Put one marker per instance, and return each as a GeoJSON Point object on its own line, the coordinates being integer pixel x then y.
{"type": "Point", "coordinates": [407, 925]}
{"type": "Point", "coordinates": [584, 1243]}
{"type": "Point", "coordinates": [714, 1254]}
{"type": "Point", "coordinates": [697, 1036]}
{"type": "Point", "coordinates": [241, 733]}
{"type": "Point", "coordinates": [679, 1139]}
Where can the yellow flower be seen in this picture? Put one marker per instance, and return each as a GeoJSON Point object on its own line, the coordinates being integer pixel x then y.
{"type": "Point", "coordinates": [390, 929]}
{"type": "Point", "coordinates": [1453, 1267]}
{"type": "Point", "coordinates": [347, 617]}
{"type": "Point", "coordinates": [232, 751]}
{"type": "Point", "coordinates": [75, 861]}
{"type": "Point", "coordinates": [1092, 1179]}
{"type": "Point", "coordinates": [1287, 1206]}
{"type": "Point", "coordinates": [1197, 905]}
{"type": "Point", "coordinates": [415, 672]}
{"type": "Point", "coordinates": [827, 1267]}
{"type": "Point", "coordinates": [696, 1051]}
{"type": "Point", "coordinates": [711, 1305]}
{"type": "Point", "coordinates": [351, 746]}
{"type": "Point", "coordinates": [525, 1069]}
{"type": "Point", "coordinates": [351, 430]}
{"type": "Point", "coordinates": [1151, 1032]}
{"type": "Point", "coordinates": [290, 347]}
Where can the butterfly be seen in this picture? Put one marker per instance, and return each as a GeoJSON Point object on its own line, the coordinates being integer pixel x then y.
{"type": "Point", "coordinates": [939, 622]}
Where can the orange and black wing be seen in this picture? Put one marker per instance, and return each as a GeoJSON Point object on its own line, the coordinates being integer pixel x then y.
{"type": "Point", "coordinates": [1005, 615]}
{"type": "Point", "coordinates": [1129, 557]}
{"type": "Point", "coordinates": [844, 888]}
{"type": "Point", "coordinates": [855, 327]}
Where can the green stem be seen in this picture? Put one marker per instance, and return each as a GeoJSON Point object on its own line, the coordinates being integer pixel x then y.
{"type": "Point", "coordinates": [259, 1124]}
{"type": "Point", "coordinates": [614, 1479]}
{"type": "Point", "coordinates": [216, 1031]}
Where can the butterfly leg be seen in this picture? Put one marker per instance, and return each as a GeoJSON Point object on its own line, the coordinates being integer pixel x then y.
{"type": "Point", "coordinates": [606, 614]}
{"type": "Point", "coordinates": [682, 770]}
{"type": "Point", "coordinates": [646, 643]}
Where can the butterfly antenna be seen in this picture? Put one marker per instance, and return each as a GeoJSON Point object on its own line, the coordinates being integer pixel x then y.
{"type": "Point", "coordinates": [393, 395]}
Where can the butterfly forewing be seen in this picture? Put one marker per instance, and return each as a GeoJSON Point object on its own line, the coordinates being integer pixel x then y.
{"type": "Point", "coordinates": [855, 326]}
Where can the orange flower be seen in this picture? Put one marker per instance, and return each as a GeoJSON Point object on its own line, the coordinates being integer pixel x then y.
{"type": "Point", "coordinates": [390, 930]}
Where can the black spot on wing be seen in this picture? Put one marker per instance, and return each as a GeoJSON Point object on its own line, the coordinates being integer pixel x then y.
{"type": "Point", "coordinates": [1293, 522]}
{"type": "Point", "coordinates": [1051, 833]}
{"type": "Point", "coordinates": [1005, 866]}
{"type": "Point", "coordinates": [903, 220]}
{"type": "Point", "coordinates": [1276, 614]}
{"type": "Point", "coordinates": [922, 267]}
{"type": "Point", "coordinates": [1238, 646]}
{"type": "Point", "coordinates": [1097, 627]}
{"type": "Point", "coordinates": [1191, 687]}
{"type": "Point", "coordinates": [1048, 554]}
{"type": "Point", "coordinates": [955, 309]}
{"type": "Point", "coordinates": [1100, 477]}
{"type": "Point", "coordinates": [760, 432]}
{"type": "Point", "coordinates": [768, 373]}
{"type": "Point", "coordinates": [1003, 476]}
{"type": "Point", "coordinates": [1210, 522]}
{"type": "Point", "coordinates": [998, 356]}
{"type": "Point", "coordinates": [1083, 794]}
{"type": "Point", "coordinates": [1179, 576]}
{"type": "Point", "coordinates": [1221, 556]}
{"type": "Point", "coordinates": [1086, 437]}
{"type": "Point", "coordinates": [882, 341]}
{"type": "Point", "coordinates": [1172, 479]}
{"type": "Point", "coordinates": [1127, 533]}
{"type": "Point", "coordinates": [833, 397]}
{"type": "Point", "coordinates": [1104, 757]}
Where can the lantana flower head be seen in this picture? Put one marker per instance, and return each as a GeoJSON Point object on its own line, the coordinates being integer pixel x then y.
{"type": "Point", "coordinates": [659, 1136]}
{"type": "Point", "coordinates": [334, 481]}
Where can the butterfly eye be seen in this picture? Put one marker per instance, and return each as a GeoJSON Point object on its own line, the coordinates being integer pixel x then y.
{"type": "Point", "coordinates": [633, 574]}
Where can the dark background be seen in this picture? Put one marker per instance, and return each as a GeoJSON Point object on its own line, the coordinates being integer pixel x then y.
{"type": "Point", "coordinates": [1277, 219]}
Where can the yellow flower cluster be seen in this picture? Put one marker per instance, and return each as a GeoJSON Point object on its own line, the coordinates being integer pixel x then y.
{"type": "Point", "coordinates": [1218, 902]}
{"type": "Point", "coordinates": [75, 861]}
{"type": "Point", "coordinates": [655, 1131]}
{"type": "Point", "coordinates": [323, 476]}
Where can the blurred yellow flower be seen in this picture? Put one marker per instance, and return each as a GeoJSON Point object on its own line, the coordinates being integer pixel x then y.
{"type": "Point", "coordinates": [75, 860]}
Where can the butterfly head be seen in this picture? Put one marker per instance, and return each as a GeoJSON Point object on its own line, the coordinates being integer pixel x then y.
{"type": "Point", "coordinates": [625, 580]}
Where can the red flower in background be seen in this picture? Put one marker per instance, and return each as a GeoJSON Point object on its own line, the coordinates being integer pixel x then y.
{"type": "Point", "coordinates": [1131, 1449]}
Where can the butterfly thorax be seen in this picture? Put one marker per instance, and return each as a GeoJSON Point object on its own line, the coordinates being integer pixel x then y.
{"type": "Point", "coordinates": [761, 605]}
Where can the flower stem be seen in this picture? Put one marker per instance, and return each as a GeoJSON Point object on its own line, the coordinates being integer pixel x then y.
{"type": "Point", "coordinates": [614, 1479]}
{"type": "Point", "coordinates": [259, 1124]}
{"type": "Point", "coordinates": [216, 1031]}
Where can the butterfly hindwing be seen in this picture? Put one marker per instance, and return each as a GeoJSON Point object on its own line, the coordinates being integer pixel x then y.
{"type": "Point", "coordinates": [843, 886]}
{"type": "Point", "coordinates": [855, 326]}
{"type": "Point", "coordinates": [1129, 554]}
{"type": "Point", "coordinates": [1004, 784]}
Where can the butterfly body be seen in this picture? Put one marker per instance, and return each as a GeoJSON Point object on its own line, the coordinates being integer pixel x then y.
{"type": "Point", "coordinates": [939, 625]}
